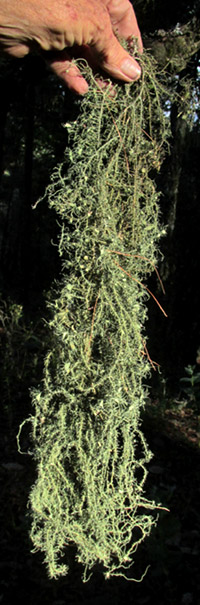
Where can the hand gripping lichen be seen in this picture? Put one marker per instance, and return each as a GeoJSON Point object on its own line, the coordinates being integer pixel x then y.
{"type": "Point", "coordinates": [90, 451]}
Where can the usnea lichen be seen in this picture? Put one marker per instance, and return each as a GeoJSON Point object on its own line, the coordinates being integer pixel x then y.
{"type": "Point", "coordinates": [90, 451]}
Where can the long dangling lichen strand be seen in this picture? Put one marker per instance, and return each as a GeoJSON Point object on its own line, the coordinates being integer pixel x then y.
{"type": "Point", "coordinates": [90, 451]}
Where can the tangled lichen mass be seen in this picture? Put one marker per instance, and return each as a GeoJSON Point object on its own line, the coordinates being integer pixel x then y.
{"type": "Point", "coordinates": [90, 451]}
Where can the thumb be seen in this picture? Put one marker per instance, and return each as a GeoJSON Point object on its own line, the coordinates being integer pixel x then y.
{"type": "Point", "coordinates": [115, 60]}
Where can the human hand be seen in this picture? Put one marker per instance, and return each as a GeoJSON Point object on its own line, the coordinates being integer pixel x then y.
{"type": "Point", "coordinates": [86, 27]}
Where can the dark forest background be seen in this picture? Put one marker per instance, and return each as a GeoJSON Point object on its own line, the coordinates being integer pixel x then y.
{"type": "Point", "coordinates": [34, 105]}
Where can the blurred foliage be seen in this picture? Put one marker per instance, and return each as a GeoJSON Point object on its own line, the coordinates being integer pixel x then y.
{"type": "Point", "coordinates": [190, 385]}
{"type": "Point", "coordinates": [22, 345]}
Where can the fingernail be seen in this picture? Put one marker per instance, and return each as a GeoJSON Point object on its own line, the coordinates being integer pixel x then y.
{"type": "Point", "coordinates": [130, 69]}
{"type": "Point", "coordinates": [82, 87]}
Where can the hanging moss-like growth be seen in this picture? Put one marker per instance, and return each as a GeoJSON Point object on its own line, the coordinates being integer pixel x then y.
{"type": "Point", "coordinates": [88, 444]}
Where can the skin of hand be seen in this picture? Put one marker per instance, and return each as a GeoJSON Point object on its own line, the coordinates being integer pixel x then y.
{"type": "Point", "coordinates": [66, 29]}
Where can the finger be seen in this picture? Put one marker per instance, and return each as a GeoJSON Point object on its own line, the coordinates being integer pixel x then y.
{"type": "Point", "coordinates": [63, 66]}
{"type": "Point", "coordinates": [124, 20]}
{"type": "Point", "coordinates": [19, 50]}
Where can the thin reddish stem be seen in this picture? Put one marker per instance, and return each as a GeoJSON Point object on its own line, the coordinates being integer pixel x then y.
{"type": "Point", "coordinates": [143, 286]}
{"type": "Point", "coordinates": [143, 258]}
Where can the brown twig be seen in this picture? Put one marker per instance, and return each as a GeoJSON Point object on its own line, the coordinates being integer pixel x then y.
{"type": "Point", "coordinates": [126, 157]}
{"type": "Point", "coordinates": [143, 286]}
{"type": "Point", "coordinates": [143, 258]}
{"type": "Point", "coordinates": [146, 352]}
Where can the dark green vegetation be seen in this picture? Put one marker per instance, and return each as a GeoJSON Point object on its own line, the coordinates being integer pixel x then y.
{"type": "Point", "coordinates": [34, 107]}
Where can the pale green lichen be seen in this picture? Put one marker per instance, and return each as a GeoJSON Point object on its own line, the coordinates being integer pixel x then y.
{"type": "Point", "coordinates": [91, 454]}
